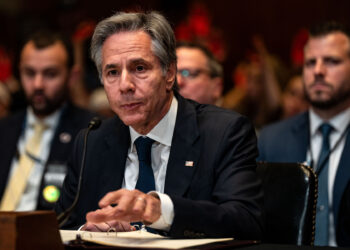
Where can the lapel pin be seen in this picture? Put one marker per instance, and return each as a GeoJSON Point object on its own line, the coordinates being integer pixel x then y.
{"type": "Point", "coordinates": [65, 137]}
{"type": "Point", "coordinates": [189, 163]}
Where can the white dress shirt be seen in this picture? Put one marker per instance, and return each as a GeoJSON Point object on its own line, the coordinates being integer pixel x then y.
{"type": "Point", "coordinates": [337, 141]}
{"type": "Point", "coordinates": [162, 134]}
{"type": "Point", "coordinates": [29, 198]}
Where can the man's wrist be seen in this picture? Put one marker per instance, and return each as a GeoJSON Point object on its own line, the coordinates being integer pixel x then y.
{"type": "Point", "coordinates": [167, 212]}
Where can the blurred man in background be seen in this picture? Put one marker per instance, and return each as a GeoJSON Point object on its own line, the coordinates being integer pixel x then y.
{"type": "Point", "coordinates": [35, 143]}
{"type": "Point", "coordinates": [199, 75]}
{"type": "Point", "coordinates": [321, 135]}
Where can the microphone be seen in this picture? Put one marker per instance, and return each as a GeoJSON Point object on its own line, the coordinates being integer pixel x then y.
{"type": "Point", "coordinates": [63, 217]}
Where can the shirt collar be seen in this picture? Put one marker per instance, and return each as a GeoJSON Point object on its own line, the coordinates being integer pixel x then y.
{"type": "Point", "coordinates": [338, 122]}
{"type": "Point", "coordinates": [164, 130]}
{"type": "Point", "coordinates": [51, 121]}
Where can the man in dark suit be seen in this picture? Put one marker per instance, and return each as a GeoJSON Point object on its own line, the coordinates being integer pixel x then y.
{"type": "Point", "coordinates": [45, 68]}
{"type": "Point", "coordinates": [197, 177]}
{"type": "Point", "coordinates": [326, 77]}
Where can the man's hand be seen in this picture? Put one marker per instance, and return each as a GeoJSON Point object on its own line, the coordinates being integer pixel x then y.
{"type": "Point", "coordinates": [127, 206]}
{"type": "Point", "coordinates": [117, 226]}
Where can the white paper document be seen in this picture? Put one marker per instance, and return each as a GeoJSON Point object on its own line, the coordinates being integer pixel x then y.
{"type": "Point", "coordinates": [135, 239]}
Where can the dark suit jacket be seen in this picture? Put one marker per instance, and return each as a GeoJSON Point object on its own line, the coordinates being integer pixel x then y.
{"type": "Point", "coordinates": [219, 196]}
{"type": "Point", "coordinates": [288, 141]}
{"type": "Point", "coordinates": [72, 120]}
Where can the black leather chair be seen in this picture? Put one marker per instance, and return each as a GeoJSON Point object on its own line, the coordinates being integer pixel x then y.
{"type": "Point", "coordinates": [290, 196]}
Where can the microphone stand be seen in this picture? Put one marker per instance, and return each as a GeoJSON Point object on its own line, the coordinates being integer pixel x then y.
{"type": "Point", "coordinates": [63, 217]}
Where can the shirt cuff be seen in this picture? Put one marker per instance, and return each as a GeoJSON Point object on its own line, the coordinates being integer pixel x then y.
{"type": "Point", "coordinates": [167, 212]}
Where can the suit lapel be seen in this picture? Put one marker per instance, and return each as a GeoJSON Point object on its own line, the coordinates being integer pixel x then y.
{"type": "Point", "coordinates": [69, 124]}
{"type": "Point", "coordinates": [301, 136]}
{"type": "Point", "coordinates": [113, 156]}
{"type": "Point", "coordinates": [185, 150]}
{"type": "Point", "coordinates": [342, 177]}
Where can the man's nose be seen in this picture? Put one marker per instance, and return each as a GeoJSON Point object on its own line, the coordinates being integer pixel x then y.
{"type": "Point", "coordinates": [319, 69]}
{"type": "Point", "coordinates": [38, 81]}
{"type": "Point", "coordinates": [126, 83]}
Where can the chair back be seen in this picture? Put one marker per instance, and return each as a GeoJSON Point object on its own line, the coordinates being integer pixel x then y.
{"type": "Point", "coordinates": [290, 196]}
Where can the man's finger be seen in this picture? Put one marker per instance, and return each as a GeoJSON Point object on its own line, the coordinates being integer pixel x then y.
{"type": "Point", "coordinates": [139, 206]}
{"type": "Point", "coordinates": [110, 198]}
{"type": "Point", "coordinates": [95, 227]}
{"type": "Point", "coordinates": [152, 210]}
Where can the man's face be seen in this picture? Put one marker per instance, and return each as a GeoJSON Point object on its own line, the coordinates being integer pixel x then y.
{"type": "Point", "coordinates": [193, 76]}
{"type": "Point", "coordinates": [137, 90]}
{"type": "Point", "coordinates": [44, 76]}
{"type": "Point", "coordinates": [326, 73]}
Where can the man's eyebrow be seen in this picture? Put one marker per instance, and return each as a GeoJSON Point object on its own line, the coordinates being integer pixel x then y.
{"type": "Point", "coordinates": [139, 60]}
{"type": "Point", "coordinates": [110, 66]}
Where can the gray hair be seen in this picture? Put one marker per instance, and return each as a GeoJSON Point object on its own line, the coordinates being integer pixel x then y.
{"type": "Point", "coordinates": [153, 23]}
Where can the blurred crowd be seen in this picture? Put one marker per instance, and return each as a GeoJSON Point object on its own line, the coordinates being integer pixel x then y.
{"type": "Point", "coordinates": [52, 88]}
{"type": "Point", "coordinates": [262, 87]}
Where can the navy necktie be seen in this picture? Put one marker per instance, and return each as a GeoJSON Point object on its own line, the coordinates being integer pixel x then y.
{"type": "Point", "coordinates": [145, 182]}
{"type": "Point", "coordinates": [322, 214]}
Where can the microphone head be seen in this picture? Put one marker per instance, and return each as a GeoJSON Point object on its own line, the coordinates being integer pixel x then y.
{"type": "Point", "coordinates": [95, 123]}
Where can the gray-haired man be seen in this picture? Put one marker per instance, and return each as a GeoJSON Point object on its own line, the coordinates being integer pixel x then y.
{"type": "Point", "coordinates": [197, 177]}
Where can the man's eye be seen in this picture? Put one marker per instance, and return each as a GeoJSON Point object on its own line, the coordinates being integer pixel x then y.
{"type": "Point", "coordinates": [51, 74]}
{"type": "Point", "coordinates": [28, 72]}
{"type": "Point", "coordinates": [184, 73]}
{"type": "Point", "coordinates": [309, 63]}
{"type": "Point", "coordinates": [112, 73]}
{"type": "Point", "coordinates": [332, 61]}
{"type": "Point", "coordinates": [140, 68]}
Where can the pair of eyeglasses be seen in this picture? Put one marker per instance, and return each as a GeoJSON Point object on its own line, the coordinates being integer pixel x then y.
{"type": "Point", "coordinates": [191, 73]}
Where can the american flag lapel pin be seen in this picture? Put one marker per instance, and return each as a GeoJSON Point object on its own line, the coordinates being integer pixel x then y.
{"type": "Point", "coordinates": [189, 164]}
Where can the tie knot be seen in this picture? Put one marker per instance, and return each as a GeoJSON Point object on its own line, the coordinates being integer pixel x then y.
{"type": "Point", "coordinates": [39, 127]}
{"type": "Point", "coordinates": [326, 129]}
{"type": "Point", "coordinates": [143, 148]}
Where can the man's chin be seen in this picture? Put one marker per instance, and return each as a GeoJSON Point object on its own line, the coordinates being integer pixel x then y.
{"type": "Point", "coordinates": [324, 104]}
{"type": "Point", "coordinates": [135, 121]}
{"type": "Point", "coordinates": [42, 110]}
{"type": "Point", "coordinates": [130, 121]}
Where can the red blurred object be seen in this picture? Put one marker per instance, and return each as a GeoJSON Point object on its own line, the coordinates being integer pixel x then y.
{"type": "Point", "coordinates": [84, 30]}
{"type": "Point", "coordinates": [199, 20]}
{"type": "Point", "coordinates": [198, 28]}
{"type": "Point", "coordinates": [182, 32]}
{"type": "Point", "coordinates": [297, 50]}
{"type": "Point", "coordinates": [5, 65]}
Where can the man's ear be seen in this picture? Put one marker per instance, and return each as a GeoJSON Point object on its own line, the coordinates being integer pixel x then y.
{"type": "Point", "coordinates": [75, 76]}
{"type": "Point", "coordinates": [217, 87]}
{"type": "Point", "coordinates": [170, 76]}
{"type": "Point", "coordinates": [77, 90]}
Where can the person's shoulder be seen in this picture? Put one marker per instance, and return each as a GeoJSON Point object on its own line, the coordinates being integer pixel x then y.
{"type": "Point", "coordinates": [112, 124]}
{"type": "Point", "coordinates": [15, 118]}
{"type": "Point", "coordinates": [220, 115]}
{"type": "Point", "coordinates": [285, 125]}
{"type": "Point", "coordinates": [212, 111]}
{"type": "Point", "coordinates": [80, 112]}
{"type": "Point", "coordinates": [213, 118]}
{"type": "Point", "coordinates": [76, 117]}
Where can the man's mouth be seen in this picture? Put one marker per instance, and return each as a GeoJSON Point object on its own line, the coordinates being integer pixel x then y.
{"type": "Point", "coordinates": [38, 98]}
{"type": "Point", "coordinates": [319, 85]}
{"type": "Point", "coordinates": [131, 106]}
